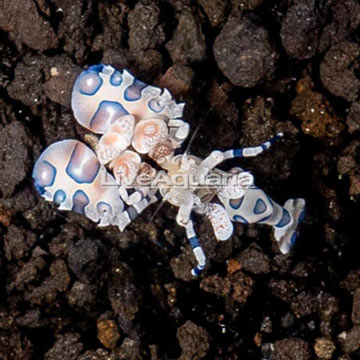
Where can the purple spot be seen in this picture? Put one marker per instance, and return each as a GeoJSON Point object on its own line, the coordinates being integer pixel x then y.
{"type": "Point", "coordinates": [284, 220]}
{"type": "Point", "coordinates": [107, 112]}
{"type": "Point", "coordinates": [96, 68]}
{"type": "Point", "coordinates": [116, 78]}
{"type": "Point", "coordinates": [103, 208]}
{"type": "Point", "coordinates": [133, 92]}
{"type": "Point", "coordinates": [80, 201]}
{"type": "Point", "coordinates": [59, 196]}
{"type": "Point", "coordinates": [154, 105]}
{"type": "Point", "coordinates": [88, 83]}
{"type": "Point", "coordinates": [236, 203]}
{"type": "Point", "coordinates": [240, 219]}
{"type": "Point", "coordinates": [260, 207]}
{"type": "Point", "coordinates": [44, 175]}
{"type": "Point", "coordinates": [83, 165]}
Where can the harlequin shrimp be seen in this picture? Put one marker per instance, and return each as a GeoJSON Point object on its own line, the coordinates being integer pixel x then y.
{"type": "Point", "coordinates": [140, 129]}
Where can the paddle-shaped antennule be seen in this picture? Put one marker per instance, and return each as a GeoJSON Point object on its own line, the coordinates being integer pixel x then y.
{"type": "Point", "coordinates": [148, 133]}
{"type": "Point", "coordinates": [102, 94]}
{"type": "Point", "coordinates": [116, 139]}
{"type": "Point", "coordinates": [161, 150]}
{"type": "Point", "coordinates": [126, 167]}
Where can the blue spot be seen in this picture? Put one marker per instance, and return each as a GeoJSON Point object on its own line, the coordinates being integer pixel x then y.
{"type": "Point", "coordinates": [275, 138]}
{"type": "Point", "coordinates": [284, 220]}
{"type": "Point", "coordinates": [116, 78]}
{"type": "Point", "coordinates": [266, 218]}
{"type": "Point", "coordinates": [89, 83]}
{"type": "Point", "coordinates": [238, 152]}
{"type": "Point", "coordinates": [293, 239]}
{"type": "Point", "coordinates": [80, 201]}
{"type": "Point", "coordinates": [155, 106]}
{"type": "Point", "coordinates": [59, 196]}
{"type": "Point", "coordinates": [83, 166]}
{"type": "Point", "coordinates": [96, 68]}
{"type": "Point", "coordinates": [107, 112]}
{"type": "Point", "coordinates": [132, 212]}
{"type": "Point", "coordinates": [194, 242]}
{"type": "Point", "coordinates": [236, 203]}
{"type": "Point", "coordinates": [103, 208]}
{"type": "Point", "coordinates": [239, 218]}
{"type": "Point", "coordinates": [301, 217]}
{"type": "Point", "coordinates": [197, 270]}
{"type": "Point", "coordinates": [39, 189]}
{"type": "Point", "coordinates": [133, 92]}
{"type": "Point", "coordinates": [260, 207]}
{"type": "Point", "coordinates": [44, 175]}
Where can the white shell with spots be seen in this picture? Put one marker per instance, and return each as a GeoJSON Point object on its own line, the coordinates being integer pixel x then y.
{"type": "Point", "coordinates": [102, 94]}
{"type": "Point", "coordinates": [69, 173]}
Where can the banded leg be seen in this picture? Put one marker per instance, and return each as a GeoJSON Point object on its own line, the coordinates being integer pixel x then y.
{"type": "Point", "coordinates": [132, 212]}
{"type": "Point", "coordinates": [134, 197]}
{"type": "Point", "coordinates": [185, 209]}
{"type": "Point", "coordinates": [187, 200]}
{"type": "Point", "coordinates": [216, 157]}
{"type": "Point", "coordinates": [196, 248]}
{"type": "Point", "coordinates": [223, 229]}
{"type": "Point", "coordinates": [128, 173]}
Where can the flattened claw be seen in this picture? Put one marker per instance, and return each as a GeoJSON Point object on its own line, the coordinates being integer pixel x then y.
{"type": "Point", "coordinates": [148, 133]}
{"type": "Point", "coordinates": [126, 167]}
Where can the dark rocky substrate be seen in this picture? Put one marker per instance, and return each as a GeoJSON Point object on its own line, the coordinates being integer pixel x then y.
{"type": "Point", "coordinates": [246, 70]}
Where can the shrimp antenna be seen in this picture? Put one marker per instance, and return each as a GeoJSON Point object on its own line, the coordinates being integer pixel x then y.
{"type": "Point", "coordinates": [161, 204]}
{"type": "Point", "coordinates": [201, 122]}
